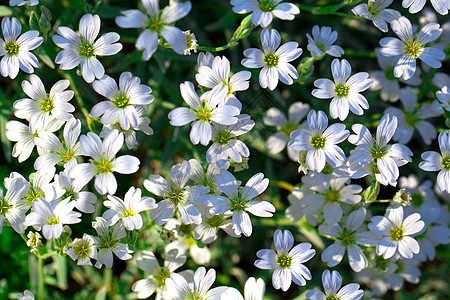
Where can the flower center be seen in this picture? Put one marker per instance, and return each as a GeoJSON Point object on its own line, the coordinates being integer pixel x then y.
{"type": "Point", "coordinates": [162, 275]}
{"type": "Point", "coordinates": [389, 74]}
{"type": "Point", "coordinates": [68, 194]}
{"type": "Point", "coordinates": [413, 48]}
{"type": "Point", "coordinates": [271, 60]}
{"type": "Point", "coordinates": [288, 128]}
{"type": "Point", "coordinates": [82, 249]}
{"type": "Point", "coordinates": [11, 49]}
{"type": "Point", "coordinates": [411, 119]}
{"type": "Point", "coordinates": [103, 165]}
{"type": "Point", "coordinates": [47, 105]}
{"type": "Point", "coordinates": [129, 213]}
{"type": "Point", "coordinates": [317, 142]}
{"type": "Point", "coordinates": [320, 46]}
{"type": "Point", "coordinates": [381, 263]}
{"type": "Point", "coordinates": [178, 196]}
{"type": "Point", "coordinates": [266, 5]}
{"type": "Point", "coordinates": [87, 50]}
{"type": "Point", "coordinates": [108, 242]}
{"type": "Point", "coordinates": [223, 137]}
{"type": "Point", "coordinates": [397, 233]}
{"type": "Point", "coordinates": [446, 163]}
{"type": "Point", "coordinates": [332, 297]}
{"type": "Point", "coordinates": [33, 194]}
{"type": "Point", "coordinates": [203, 113]}
{"type": "Point", "coordinates": [331, 195]}
{"type": "Point", "coordinates": [238, 203]}
{"type": "Point", "coordinates": [341, 90]}
{"type": "Point", "coordinates": [284, 261]}
{"type": "Point", "coordinates": [121, 100]}
{"type": "Point", "coordinates": [155, 23]}
{"type": "Point", "coordinates": [53, 221]}
{"type": "Point", "coordinates": [66, 154]}
{"type": "Point", "coordinates": [215, 221]}
{"type": "Point", "coordinates": [347, 237]}
{"type": "Point", "coordinates": [378, 151]}
{"type": "Point", "coordinates": [4, 206]}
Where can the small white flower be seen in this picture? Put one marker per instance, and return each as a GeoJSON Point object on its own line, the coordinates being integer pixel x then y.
{"type": "Point", "coordinates": [414, 118]}
{"type": "Point", "coordinates": [412, 46]}
{"type": "Point", "coordinates": [273, 60]}
{"type": "Point", "coordinates": [254, 289]}
{"type": "Point", "coordinates": [207, 179]}
{"type": "Point", "coordinates": [156, 281]}
{"type": "Point", "coordinates": [128, 210]}
{"type": "Point", "coordinates": [12, 205]}
{"type": "Point", "coordinates": [207, 231]}
{"type": "Point", "coordinates": [179, 288]}
{"type": "Point", "coordinates": [376, 11]}
{"type": "Point", "coordinates": [385, 80]}
{"type": "Point", "coordinates": [108, 242]}
{"type": "Point", "coordinates": [320, 141]}
{"type": "Point", "coordinates": [322, 41]}
{"type": "Point", "coordinates": [441, 6]}
{"type": "Point", "coordinates": [27, 294]}
{"type": "Point", "coordinates": [395, 232]}
{"type": "Point", "coordinates": [225, 143]}
{"type": "Point", "coordinates": [155, 23]}
{"type": "Point", "coordinates": [332, 283]}
{"type": "Point", "coordinates": [191, 42]}
{"type": "Point", "coordinates": [51, 216]}
{"type": "Point", "coordinates": [124, 99]}
{"type": "Point", "coordinates": [103, 162]}
{"type": "Point", "coordinates": [83, 250]}
{"type": "Point", "coordinates": [16, 49]}
{"type": "Point", "coordinates": [83, 50]}
{"type": "Point", "coordinates": [203, 111]}
{"type": "Point", "coordinates": [376, 156]}
{"type": "Point", "coordinates": [345, 90]}
{"type": "Point", "coordinates": [434, 161]}
{"type": "Point", "coordinates": [287, 262]}
{"type": "Point", "coordinates": [176, 195]}
{"type": "Point", "coordinates": [61, 153]}
{"type": "Point", "coordinates": [84, 200]}
{"type": "Point", "coordinates": [23, 2]}
{"type": "Point", "coordinates": [42, 107]}
{"type": "Point", "coordinates": [285, 126]}
{"type": "Point", "coordinates": [263, 11]}
{"type": "Point", "coordinates": [218, 73]}
{"type": "Point", "coordinates": [239, 200]}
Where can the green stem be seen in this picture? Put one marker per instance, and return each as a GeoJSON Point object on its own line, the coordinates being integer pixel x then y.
{"type": "Point", "coordinates": [80, 101]}
{"type": "Point", "coordinates": [359, 53]}
{"type": "Point", "coordinates": [41, 284]}
{"type": "Point", "coordinates": [283, 184]}
{"type": "Point", "coordinates": [426, 84]}
{"type": "Point", "coordinates": [214, 49]}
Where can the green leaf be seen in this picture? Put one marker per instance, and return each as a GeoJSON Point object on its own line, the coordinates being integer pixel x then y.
{"type": "Point", "coordinates": [46, 12]}
{"type": "Point", "coordinates": [34, 21]}
{"type": "Point", "coordinates": [79, 5]}
{"type": "Point", "coordinates": [46, 59]}
{"type": "Point", "coordinates": [5, 11]}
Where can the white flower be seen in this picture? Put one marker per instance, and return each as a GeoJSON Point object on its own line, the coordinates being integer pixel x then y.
{"type": "Point", "coordinates": [207, 179]}
{"type": "Point", "coordinates": [434, 161]}
{"type": "Point", "coordinates": [441, 6]}
{"type": "Point", "coordinates": [20, 3]}
{"type": "Point", "coordinates": [218, 73]}
{"type": "Point", "coordinates": [128, 210]}
{"type": "Point", "coordinates": [43, 107]}
{"type": "Point", "coordinates": [265, 10]}
{"type": "Point", "coordinates": [414, 118]}
{"type": "Point", "coordinates": [345, 90]}
{"type": "Point", "coordinates": [322, 41]}
{"type": "Point", "coordinates": [285, 126]}
{"type": "Point", "coordinates": [225, 143]}
{"type": "Point", "coordinates": [254, 289]}
{"type": "Point", "coordinates": [156, 281]}
{"type": "Point", "coordinates": [348, 238]}
{"type": "Point", "coordinates": [13, 206]}
{"type": "Point", "coordinates": [443, 97]}
{"type": "Point", "coordinates": [130, 134]}
{"type": "Point", "coordinates": [61, 153]}
{"type": "Point", "coordinates": [273, 60]}
{"type": "Point", "coordinates": [205, 59]}
{"type": "Point", "coordinates": [411, 46]}
{"type": "Point", "coordinates": [331, 285]}
{"type": "Point", "coordinates": [287, 262]}
{"type": "Point", "coordinates": [207, 231]}
{"type": "Point", "coordinates": [375, 156]}
{"type": "Point", "coordinates": [176, 195]}
{"type": "Point", "coordinates": [385, 80]}
{"type": "Point", "coordinates": [83, 50]}
{"type": "Point", "coordinates": [240, 200]}
{"type": "Point", "coordinates": [83, 250]}
{"type": "Point", "coordinates": [203, 110]}
{"type": "Point", "coordinates": [51, 216]}
{"type": "Point", "coordinates": [155, 23]}
{"type": "Point", "coordinates": [27, 294]}
{"type": "Point", "coordinates": [320, 141]}
{"type": "Point", "coordinates": [103, 162]}
{"type": "Point", "coordinates": [178, 287]}
{"type": "Point", "coordinates": [191, 42]}
{"type": "Point", "coordinates": [108, 242]}
{"type": "Point", "coordinates": [376, 11]}
{"type": "Point", "coordinates": [395, 232]}
{"type": "Point", "coordinates": [123, 100]}
{"type": "Point", "coordinates": [84, 200]}
{"type": "Point", "coordinates": [16, 49]}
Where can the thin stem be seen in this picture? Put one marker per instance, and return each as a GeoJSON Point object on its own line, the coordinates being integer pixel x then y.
{"type": "Point", "coordinates": [425, 85]}
{"type": "Point", "coordinates": [283, 184]}
{"type": "Point", "coordinates": [41, 284]}
{"type": "Point", "coordinates": [359, 53]}
{"type": "Point", "coordinates": [214, 49]}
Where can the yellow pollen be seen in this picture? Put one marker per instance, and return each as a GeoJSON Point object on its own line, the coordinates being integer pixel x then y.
{"type": "Point", "coordinates": [53, 221]}
{"type": "Point", "coordinates": [341, 90]}
{"type": "Point", "coordinates": [11, 49]}
{"type": "Point", "coordinates": [87, 50]}
{"type": "Point", "coordinates": [317, 142]}
{"type": "Point", "coordinates": [266, 5]}
{"type": "Point", "coordinates": [284, 261]}
{"type": "Point", "coordinates": [129, 213]}
{"type": "Point", "coordinates": [271, 60]}
{"type": "Point", "coordinates": [397, 233]}
{"type": "Point", "coordinates": [47, 105]}
{"type": "Point", "coordinates": [446, 163]}
{"type": "Point", "coordinates": [413, 48]}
